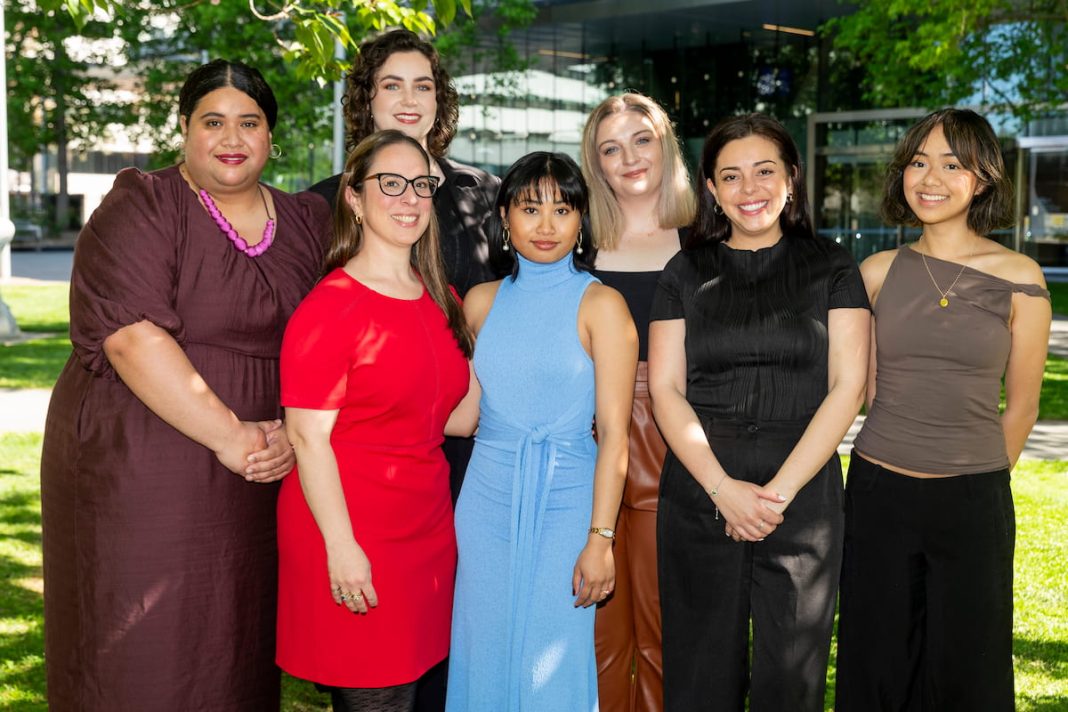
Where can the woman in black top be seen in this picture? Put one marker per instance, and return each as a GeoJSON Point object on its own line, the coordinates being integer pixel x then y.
{"type": "Point", "coordinates": [397, 82]}
{"type": "Point", "coordinates": [758, 351]}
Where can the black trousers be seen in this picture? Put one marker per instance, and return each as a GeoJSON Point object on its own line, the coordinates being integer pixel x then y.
{"type": "Point", "coordinates": [925, 619]}
{"type": "Point", "coordinates": [711, 587]}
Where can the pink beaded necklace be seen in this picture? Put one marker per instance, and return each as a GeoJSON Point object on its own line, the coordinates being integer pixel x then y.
{"type": "Point", "coordinates": [239, 243]}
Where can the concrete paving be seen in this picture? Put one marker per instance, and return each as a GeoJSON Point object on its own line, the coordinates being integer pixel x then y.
{"type": "Point", "coordinates": [23, 410]}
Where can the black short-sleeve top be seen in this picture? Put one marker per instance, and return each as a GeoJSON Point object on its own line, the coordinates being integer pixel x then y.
{"type": "Point", "coordinates": [756, 324]}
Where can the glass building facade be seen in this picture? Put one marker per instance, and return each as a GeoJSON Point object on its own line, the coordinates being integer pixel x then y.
{"type": "Point", "coordinates": [706, 59]}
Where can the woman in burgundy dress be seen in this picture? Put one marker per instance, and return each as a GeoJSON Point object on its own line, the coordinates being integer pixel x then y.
{"type": "Point", "coordinates": [162, 446]}
{"type": "Point", "coordinates": [374, 365]}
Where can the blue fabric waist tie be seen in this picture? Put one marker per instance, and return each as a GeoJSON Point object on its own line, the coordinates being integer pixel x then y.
{"type": "Point", "coordinates": [536, 455]}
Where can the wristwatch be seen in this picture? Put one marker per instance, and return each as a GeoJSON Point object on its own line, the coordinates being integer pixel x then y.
{"type": "Point", "coordinates": [603, 531]}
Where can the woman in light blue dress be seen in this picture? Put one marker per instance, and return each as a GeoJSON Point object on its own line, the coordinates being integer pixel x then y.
{"type": "Point", "coordinates": [534, 520]}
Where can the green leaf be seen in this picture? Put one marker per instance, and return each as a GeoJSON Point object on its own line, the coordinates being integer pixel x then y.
{"type": "Point", "coordinates": [445, 11]}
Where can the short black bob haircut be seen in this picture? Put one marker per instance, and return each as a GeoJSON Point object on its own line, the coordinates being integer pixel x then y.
{"type": "Point", "coordinates": [713, 226]}
{"type": "Point", "coordinates": [529, 176]}
{"type": "Point", "coordinates": [220, 73]}
{"type": "Point", "coordinates": [977, 149]}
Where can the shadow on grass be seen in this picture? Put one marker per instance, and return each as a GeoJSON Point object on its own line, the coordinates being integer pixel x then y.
{"type": "Point", "coordinates": [21, 508]}
{"type": "Point", "coordinates": [1053, 402]}
{"type": "Point", "coordinates": [33, 364]}
{"type": "Point", "coordinates": [1043, 651]}
{"type": "Point", "coordinates": [1047, 703]}
{"type": "Point", "coordinates": [22, 677]}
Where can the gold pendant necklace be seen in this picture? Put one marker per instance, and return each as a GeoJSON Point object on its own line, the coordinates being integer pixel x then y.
{"type": "Point", "coordinates": [944, 301]}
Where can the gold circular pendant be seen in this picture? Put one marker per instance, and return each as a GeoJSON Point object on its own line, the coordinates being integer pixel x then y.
{"type": "Point", "coordinates": [943, 302]}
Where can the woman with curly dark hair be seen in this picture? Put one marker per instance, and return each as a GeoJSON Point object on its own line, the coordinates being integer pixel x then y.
{"type": "Point", "coordinates": [397, 82]}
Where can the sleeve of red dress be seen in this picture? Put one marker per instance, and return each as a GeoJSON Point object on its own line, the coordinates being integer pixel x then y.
{"type": "Point", "coordinates": [317, 351]}
{"type": "Point", "coordinates": [125, 266]}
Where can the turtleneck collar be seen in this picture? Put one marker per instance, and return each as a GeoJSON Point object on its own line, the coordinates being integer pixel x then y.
{"type": "Point", "coordinates": [540, 275]}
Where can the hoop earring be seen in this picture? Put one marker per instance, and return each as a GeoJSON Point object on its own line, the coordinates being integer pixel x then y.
{"type": "Point", "coordinates": [507, 236]}
{"type": "Point", "coordinates": [276, 151]}
{"type": "Point", "coordinates": [717, 209]}
{"type": "Point", "coordinates": [578, 243]}
{"type": "Point", "coordinates": [789, 198]}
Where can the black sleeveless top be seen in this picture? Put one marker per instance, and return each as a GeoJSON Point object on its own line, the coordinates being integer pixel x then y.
{"type": "Point", "coordinates": [756, 324]}
{"type": "Point", "coordinates": [637, 289]}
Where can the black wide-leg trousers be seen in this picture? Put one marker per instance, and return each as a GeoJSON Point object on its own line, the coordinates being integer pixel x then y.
{"type": "Point", "coordinates": [925, 619]}
{"type": "Point", "coordinates": [711, 586]}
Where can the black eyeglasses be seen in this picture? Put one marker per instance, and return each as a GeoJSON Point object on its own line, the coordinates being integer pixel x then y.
{"type": "Point", "coordinates": [393, 185]}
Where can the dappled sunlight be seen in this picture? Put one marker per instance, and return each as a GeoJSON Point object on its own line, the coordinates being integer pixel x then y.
{"type": "Point", "coordinates": [135, 612]}
{"type": "Point", "coordinates": [34, 584]}
{"type": "Point", "coordinates": [548, 663]}
{"type": "Point", "coordinates": [18, 626]}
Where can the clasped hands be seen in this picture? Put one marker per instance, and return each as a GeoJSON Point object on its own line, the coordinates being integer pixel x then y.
{"type": "Point", "coordinates": [752, 512]}
{"type": "Point", "coordinates": [258, 451]}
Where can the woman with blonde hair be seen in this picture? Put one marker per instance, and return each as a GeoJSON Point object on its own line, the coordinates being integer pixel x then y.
{"type": "Point", "coordinates": [640, 196]}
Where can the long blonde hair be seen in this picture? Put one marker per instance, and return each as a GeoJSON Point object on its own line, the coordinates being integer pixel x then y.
{"type": "Point", "coordinates": [426, 254]}
{"type": "Point", "coordinates": [676, 204]}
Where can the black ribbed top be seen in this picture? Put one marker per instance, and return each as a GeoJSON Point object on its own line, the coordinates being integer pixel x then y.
{"type": "Point", "coordinates": [756, 324]}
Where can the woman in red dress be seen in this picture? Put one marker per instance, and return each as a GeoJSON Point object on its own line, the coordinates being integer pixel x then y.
{"type": "Point", "coordinates": [374, 367]}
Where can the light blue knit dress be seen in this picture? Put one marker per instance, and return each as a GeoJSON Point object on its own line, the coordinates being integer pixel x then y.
{"type": "Point", "coordinates": [518, 642]}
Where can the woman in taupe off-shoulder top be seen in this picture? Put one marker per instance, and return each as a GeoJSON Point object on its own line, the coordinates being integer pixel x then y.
{"type": "Point", "coordinates": [926, 595]}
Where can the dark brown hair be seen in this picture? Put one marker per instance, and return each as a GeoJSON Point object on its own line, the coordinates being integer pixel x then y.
{"type": "Point", "coordinates": [976, 147]}
{"type": "Point", "coordinates": [710, 226]}
{"type": "Point", "coordinates": [527, 178]}
{"type": "Point", "coordinates": [220, 73]}
{"type": "Point", "coordinates": [360, 89]}
{"type": "Point", "coordinates": [426, 254]}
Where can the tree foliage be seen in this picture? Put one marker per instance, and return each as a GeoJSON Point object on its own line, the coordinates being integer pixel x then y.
{"type": "Point", "coordinates": [305, 30]}
{"type": "Point", "coordinates": [1008, 55]}
{"type": "Point", "coordinates": [54, 97]}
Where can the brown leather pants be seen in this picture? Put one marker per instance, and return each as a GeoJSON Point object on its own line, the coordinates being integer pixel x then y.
{"type": "Point", "coordinates": [628, 623]}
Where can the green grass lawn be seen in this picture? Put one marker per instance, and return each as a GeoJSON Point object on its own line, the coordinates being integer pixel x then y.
{"type": "Point", "coordinates": [1058, 293]}
{"type": "Point", "coordinates": [1040, 637]}
{"type": "Point", "coordinates": [40, 309]}
{"type": "Point", "coordinates": [43, 308]}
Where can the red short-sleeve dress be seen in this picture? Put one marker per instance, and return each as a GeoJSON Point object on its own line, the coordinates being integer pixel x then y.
{"type": "Point", "coordinates": [394, 371]}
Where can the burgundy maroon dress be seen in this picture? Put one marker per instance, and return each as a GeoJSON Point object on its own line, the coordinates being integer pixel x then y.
{"type": "Point", "coordinates": [159, 563]}
{"type": "Point", "coordinates": [394, 372]}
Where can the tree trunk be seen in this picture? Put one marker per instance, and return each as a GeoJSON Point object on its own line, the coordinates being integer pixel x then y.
{"type": "Point", "coordinates": [62, 217]}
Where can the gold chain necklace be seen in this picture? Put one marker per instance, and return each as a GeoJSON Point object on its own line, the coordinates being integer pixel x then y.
{"type": "Point", "coordinates": [944, 301]}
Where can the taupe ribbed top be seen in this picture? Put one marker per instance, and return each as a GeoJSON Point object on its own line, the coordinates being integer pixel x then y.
{"type": "Point", "coordinates": [938, 370]}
